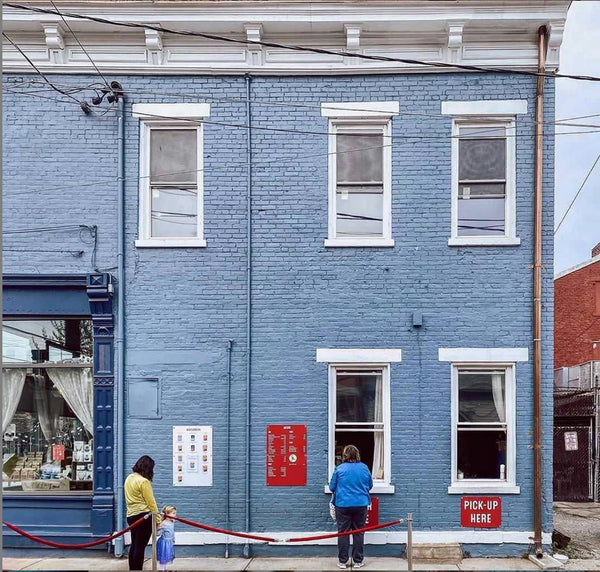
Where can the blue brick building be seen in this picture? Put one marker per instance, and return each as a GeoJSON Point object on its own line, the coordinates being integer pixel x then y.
{"type": "Point", "coordinates": [308, 239]}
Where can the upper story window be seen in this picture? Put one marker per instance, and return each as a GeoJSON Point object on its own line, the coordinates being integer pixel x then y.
{"type": "Point", "coordinates": [483, 208]}
{"type": "Point", "coordinates": [171, 194]}
{"type": "Point", "coordinates": [360, 174]}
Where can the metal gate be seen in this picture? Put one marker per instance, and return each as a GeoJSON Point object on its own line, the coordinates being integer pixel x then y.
{"type": "Point", "coordinates": [573, 462]}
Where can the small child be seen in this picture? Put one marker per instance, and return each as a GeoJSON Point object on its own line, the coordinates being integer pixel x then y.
{"type": "Point", "coordinates": [165, 545]}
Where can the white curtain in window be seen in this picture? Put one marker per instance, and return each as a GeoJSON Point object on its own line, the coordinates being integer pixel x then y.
{"type": "Point", "coordinates": [77, 388]}
{"type": "Point", "coordinates": [48, 407]}
{"type": "Point", "coordinates": [13, 380]}
{"type": "Point", "coordinates": [378, 451]}
{"type": "Point", "coordinates": [498, 394]}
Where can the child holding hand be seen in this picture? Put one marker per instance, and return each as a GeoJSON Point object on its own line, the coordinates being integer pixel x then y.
{"type": "Point", "coordinates": [165, 546]}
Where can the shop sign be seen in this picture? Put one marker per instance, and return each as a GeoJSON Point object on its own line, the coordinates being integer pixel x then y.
{"type": "Point", "coordinates": [286, 455]}
{"type": "Point", "coordinates": [58, 452]}
{"type": "Point", "coordinates": [480, 512]}
{"type": "Point", "coordinates": [571, 443]}
{"type": "Point", "coordinates": [373, 512]}
{"type": "Point", "coordinates": [192, 456]}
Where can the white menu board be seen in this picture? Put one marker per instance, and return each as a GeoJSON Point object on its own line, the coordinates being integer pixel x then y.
{"type": "Point", "coordinates": [192, 456]}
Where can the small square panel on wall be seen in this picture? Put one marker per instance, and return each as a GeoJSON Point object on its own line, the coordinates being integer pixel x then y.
{"type": "Point", "coordinates": [143, 398]}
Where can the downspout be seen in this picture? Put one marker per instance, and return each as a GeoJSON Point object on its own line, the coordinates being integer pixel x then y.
{"type": "Point", "coordinates": [120, 381]}
{"type": "Point", "coordinates": [228, 516]}
{"type": "Point", "coordinates": [537, 298]}
{"type": "Point", "coordinates": [248, 303]}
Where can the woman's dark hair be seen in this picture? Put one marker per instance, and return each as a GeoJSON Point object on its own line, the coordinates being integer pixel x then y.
{"type": "Point", "coordinates": [350, 454]}
{"type": "Point", "coordinates": [144, 466]}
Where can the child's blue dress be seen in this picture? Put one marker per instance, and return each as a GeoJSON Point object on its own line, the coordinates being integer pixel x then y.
{"type": "Point", "coordinates": [165, 545]}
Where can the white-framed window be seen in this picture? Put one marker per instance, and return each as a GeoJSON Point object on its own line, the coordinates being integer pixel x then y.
{"type": "Point", "coordinates": [483, 413]}
{"type": "Point", "coordinates": [360, 173]}
{"type": "Point", "coordinates": [360, 409]}
{"type": "Point", "coordinates": [483, 188]}
{"type": "Point", "coordinates": [171, 205]}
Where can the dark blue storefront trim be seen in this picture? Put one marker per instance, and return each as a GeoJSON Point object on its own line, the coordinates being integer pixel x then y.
{"type": "Point", "coordinates": [70, 517]}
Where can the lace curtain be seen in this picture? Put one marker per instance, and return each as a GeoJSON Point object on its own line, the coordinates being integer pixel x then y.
{"type": "Point", "coordinates": [77, 388]}
{"type": "Point", "coordinates": [13, 380]}
{"type": "Point", "coordinates": [378, 451]}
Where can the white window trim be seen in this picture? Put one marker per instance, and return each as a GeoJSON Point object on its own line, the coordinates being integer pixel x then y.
{"type": "Point", "coordinates": [359, 356]}
{"type": "Point", "coordinates": [359, 359]}
{"type": "Point", "coordinates": [497, 107]}
{"type": "Point", "coordinates": [510, 207]}
{"type": "Point", "coordinates": [168, 115]}
{"type": "Point", "coordinates": [486, 113]}
{"type": "Point", "coordinates": [357, 116]}
{"type": "Point", "coordinates": [483, 355]}
{"type": "Point", "coordinates": [487, 486]}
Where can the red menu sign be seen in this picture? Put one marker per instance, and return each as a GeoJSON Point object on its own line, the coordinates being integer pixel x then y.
{"type": "Point", "coordinates": [58, 452]}
{"type": "Point", "coordinates": [481, 512]}
{"type": "Point", "coordinates": [286, 455]}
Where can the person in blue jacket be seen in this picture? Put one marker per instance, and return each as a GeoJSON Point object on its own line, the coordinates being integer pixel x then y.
{"type": "Point", "coordinates": [350, 484]}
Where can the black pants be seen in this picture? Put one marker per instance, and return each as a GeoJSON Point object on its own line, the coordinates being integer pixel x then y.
{"type": "Point", "coordinates": [140, 535]}
{"type": "Point", "coordinates": [351, 518]}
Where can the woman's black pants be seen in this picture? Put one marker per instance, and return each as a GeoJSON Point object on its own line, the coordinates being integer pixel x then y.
{"type": "Point", "coordinates": [140, 535]}
{"type": "Point", "coordinates": [351, 518]}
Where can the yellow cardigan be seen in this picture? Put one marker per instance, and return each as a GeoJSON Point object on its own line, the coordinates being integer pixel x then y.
{"type": "Point", "coordinates": [139, 496]}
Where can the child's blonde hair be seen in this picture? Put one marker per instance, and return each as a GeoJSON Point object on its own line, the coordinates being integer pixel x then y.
{"type": "Point", "coordinates": [168, 508]}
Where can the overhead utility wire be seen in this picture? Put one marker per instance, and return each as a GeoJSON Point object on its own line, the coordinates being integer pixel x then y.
{"type": "Point", "coordinates": [39, 72]}
{"type": "Point", "coordinates": [213, 99]}
{"type": "Point", "coordinates": [257, 164]}
{"type": "Point", "coordinates": [577, 194]}
{"type": "Point", "coordinates": [302, 48]}
{"type": "Point", "coordinates": [80, 45]}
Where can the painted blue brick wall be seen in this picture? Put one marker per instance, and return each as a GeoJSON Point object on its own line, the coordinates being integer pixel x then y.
{"type": "Point", "coordinates": [184, 304]}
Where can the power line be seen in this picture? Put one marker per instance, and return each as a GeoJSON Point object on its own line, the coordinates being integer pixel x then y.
{"type": "Point", "coordinates": [80, 44]}
{"type": "Point", "coordinates": [38, 71]}
{"type": "Point", "coordinates": [47, 229]}
{"type": "Point", "coordinates": [288, 103]}
{"type": "Point", "coordinates": [577, 194]}
{"type": "Point", "coordinates": [292, 47]}
{"type": "Point", "coordinates": [256, 164]}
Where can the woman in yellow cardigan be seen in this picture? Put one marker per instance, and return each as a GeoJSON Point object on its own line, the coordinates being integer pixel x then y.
{"type": "Point", "coordinates": [139, 498]}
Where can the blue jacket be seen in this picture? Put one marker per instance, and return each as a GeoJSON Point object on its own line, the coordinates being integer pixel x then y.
{"type": "Point", "coordinates": [350, 484]}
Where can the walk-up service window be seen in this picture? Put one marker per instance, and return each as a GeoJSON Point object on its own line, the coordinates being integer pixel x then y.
{"type": "Point", "coordinates": [361, 419]}
{"type": "Point", "coordinates": [47, 406]}
{"type": "Point", "coordinates": [481, 427]}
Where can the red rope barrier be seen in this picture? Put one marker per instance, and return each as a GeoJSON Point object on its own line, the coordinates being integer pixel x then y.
{"type": "Point", "coordinates": [61, 545]}
{"type": "Point", "coordinates": [198, 525]}
{"type": "Point", "coordinates": [222, 530]}
{"type": "Point", "coordinates": [347, 533]}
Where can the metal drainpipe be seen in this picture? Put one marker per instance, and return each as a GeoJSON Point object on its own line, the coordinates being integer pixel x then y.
{"type": "Point", "coordinates": [227, 517]}
{"type": "Point", "coordinates": [537, 298]}
{"type": "Point", "coordinates": [248, 304]}
{"type": "Point", "coordinates": [596, 387]}
{"type": "Point", "coordinates": [119, 542]}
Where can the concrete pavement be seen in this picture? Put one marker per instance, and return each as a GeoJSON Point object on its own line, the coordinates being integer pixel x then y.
{"type": "Point", "coordinates": [281, 564]}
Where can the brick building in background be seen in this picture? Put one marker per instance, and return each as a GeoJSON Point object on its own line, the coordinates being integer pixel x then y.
{"type": "Point", "coordinates": [308, 239]}
{"type": "Point", "coordinates": [577, 381]}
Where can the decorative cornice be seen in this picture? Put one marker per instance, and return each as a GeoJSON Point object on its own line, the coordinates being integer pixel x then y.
{"type": "Point", "coordinates": [478, 32]}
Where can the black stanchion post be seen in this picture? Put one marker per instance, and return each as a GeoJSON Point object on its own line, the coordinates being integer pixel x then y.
{"type": "Point", "coordinates": [409, 554]}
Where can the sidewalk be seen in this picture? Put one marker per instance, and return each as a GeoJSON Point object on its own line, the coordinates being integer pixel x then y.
{"type": "Point", "coordinates": [282, 564]}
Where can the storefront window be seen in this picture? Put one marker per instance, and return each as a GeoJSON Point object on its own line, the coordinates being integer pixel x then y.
{"type": "Point", "coordinates": [47, 405]}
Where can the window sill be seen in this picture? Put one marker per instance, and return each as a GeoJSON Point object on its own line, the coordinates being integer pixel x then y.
{"type": "Point", "coordinates": [359, 242]}
{"type": "Point", "coordinates": [170, 243]}
{"type": "Point", "coordinates": [378, 489]}
{"type": "Point", "coordinates": [483, 488]}
{"type": "Point", "coordinates": [484, 241]}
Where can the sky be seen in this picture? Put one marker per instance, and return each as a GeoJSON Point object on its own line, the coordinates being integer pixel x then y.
{"type": "Point", "coordinates": [575, 154]}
